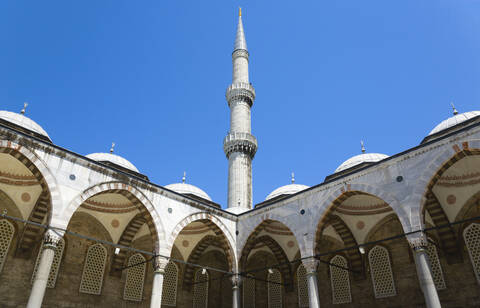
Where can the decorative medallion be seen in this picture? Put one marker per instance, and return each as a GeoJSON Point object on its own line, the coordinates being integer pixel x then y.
{"type": "Point", "coordinates": [185, 243]}
{"type": "Point", "coordinates": [360, 225]}
{"type": "Point", "coordinates": [451, 199]}
{"type": "Point", "coordinates": [26, 197]}
{"type": "Point", "coordinates": [290, 244]}
{"type": "Point", "coordinates": [115, 223]}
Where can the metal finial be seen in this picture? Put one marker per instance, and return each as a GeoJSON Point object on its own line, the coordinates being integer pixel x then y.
{"type": "Point", "coordinates": [455, 112]}
{"type": "Point", "coordinates": [113, 146]}
{"type": "Point", "coordinates": [184, 177]}
{"type": "Point", "coordinates": [293, 177]}
{"type": "Point", "coordinates": [239, 11]}
{"type": "Point", "coordinates": [363, 146]}
{"type": "Point", "coordinates": [24, 108]}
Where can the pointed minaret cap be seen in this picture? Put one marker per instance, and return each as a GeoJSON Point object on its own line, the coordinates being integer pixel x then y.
{"type": "Point", "coordinates": [240, 42]}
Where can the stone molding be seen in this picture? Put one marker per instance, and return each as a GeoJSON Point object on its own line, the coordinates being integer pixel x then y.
{"type": "Point", "coordinates": [51, 239]}
{"type": "Point", "coordinates": [159, 264]}
{"type": "Point", "coordinates": [236, 281]}
{"type": "Point", "coordinates": [417, 241]}
{"type": "Point", "coordinates": [310, 265]}
{"type": "Point", "coordinates": [237, 53]}
{"type": "Point", "coordinates": [240, 91]}
{"type": "Point", "coordinates": [240, 142]}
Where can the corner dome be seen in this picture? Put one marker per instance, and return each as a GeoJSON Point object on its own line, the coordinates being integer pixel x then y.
{"type": "Point", "coordinates": [114, 159]}
{"type": "Point", "coordinates": [187, 189]}
{"type": "Point", "coordinates": [289, 189]}
{"type": "Point", "coordinates": [359, 159]}
{"type": "Point", "coordinates": [23, 122]}
{"type": "Point", "coordinates": [452, 121]}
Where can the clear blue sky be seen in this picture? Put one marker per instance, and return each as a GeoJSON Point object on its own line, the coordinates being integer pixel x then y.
{"type": "Point", "coordinates": [151, 76]}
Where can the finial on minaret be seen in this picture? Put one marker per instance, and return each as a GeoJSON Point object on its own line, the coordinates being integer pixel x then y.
{"type": "Point", "coordinates": [24, 108]}
{"type": "Point", "coordinates": [455, 112]}
{"type": "Point", "coordinates": [239, 11]}
{"type": "Point", "coordinates": [184, 177]}
{"type": "Point", "coordinates": [240, 41]}
{"type": "Point", "coordinates": [113, 146]}
{"type": "Point", "coordinates": [293, 177]}
{"type": "Point", "coordinates": [363, 146]}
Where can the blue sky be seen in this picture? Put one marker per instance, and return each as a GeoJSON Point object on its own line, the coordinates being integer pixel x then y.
{"type": "Point", "coordinates": [151, 76]}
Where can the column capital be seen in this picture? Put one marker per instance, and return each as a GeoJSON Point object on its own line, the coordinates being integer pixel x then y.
{"type": "Point", "coordinates": [418, 241]}
{"type": "Point", "coordinates": [311, 265]}
{"type": "Point", "coordinates": [159, 263]}
{"type": "Point", "coordinates": [236, 280]}
{"type": "Point", "coordinates": [51, 239]}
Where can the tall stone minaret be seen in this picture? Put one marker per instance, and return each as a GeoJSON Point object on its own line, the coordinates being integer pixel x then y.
{"type": "Point", "coordinates": [240, 145]}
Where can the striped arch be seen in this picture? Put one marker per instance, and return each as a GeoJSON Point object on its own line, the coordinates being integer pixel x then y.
{"type": "Point", "coordinates": [282, 259]}
{"type": "Point", "coordinates": [354, 255]}
{"type": "Point", "coordinates": [197, 252]}
{"type": "Point", "coordinates": [340, 195]}
{"type": "Point", "coordinates": [152, 219]}
{"type": "Point", "coordinates": [220, 230]}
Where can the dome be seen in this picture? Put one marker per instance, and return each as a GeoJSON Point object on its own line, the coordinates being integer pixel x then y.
{"type": "Point", "coordinates": [362, 158]}
{"type": "Point", "coordinates": [186, 189]}
{"type": "Point", "coordinates": [114, 159]}
{"type": "Point", "coordinates": [289, 189]}
{"type": "Point", "coordinates": [22, 121]}
{"type": "Point", "coordinates": [452, 121]}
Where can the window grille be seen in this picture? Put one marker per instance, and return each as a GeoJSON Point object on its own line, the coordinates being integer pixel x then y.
{"type": "Point", "coordinates": [6, 235]}
{"type": "Point", "coordinates": [170, 281]}
{"type": "Point", "coordinates": [57, 258]}
{"type": "Point", "coordinates": [274, 289]}
{"type": "Point", "coordinates": [302, 287]}
{"type": "Point", "coordinates": [200, 290]}
{"type": "Point", "coordinates": [435, 267]}
{"type": "Point", "coordinates": [249, 292]}
{"type": "Point", "coordinates": [472, 241]}
{"type": "Point", "coordinates": [93, 270]}
{"type": "Point", "coordinates": [340, 281]}
{"type": "Point", "coordinates": [133, 290]}
{"type": "Point", "coordinates": [381, 271]}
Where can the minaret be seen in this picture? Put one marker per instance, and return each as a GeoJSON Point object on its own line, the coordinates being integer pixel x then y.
{"type": "Point", "coordinates": [240, 145]}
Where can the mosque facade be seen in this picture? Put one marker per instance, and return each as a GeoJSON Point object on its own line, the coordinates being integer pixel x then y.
{"type": "Point", "coordinates": [380, 231]}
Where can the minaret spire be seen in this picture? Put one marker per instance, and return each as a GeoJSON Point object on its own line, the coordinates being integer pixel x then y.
{"type": "Point", "coordinates": [240, 145]}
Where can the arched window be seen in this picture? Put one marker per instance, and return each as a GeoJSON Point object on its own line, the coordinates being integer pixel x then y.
{"type": "Point", "coordinates": [170, 281]}
{"type": "Point", "coordinates": [274, 289]}
{"type": "Point", "coordinates": [381, 271]}
{"type": "Point", "coordinates": [133, 290]}
{"type": "Point", "coordinates": [93, 270]}
{"type": "Point", "coordinates": [6, 235]}
{"type": "Point", "coordinates": [340, 280]}
{"type": "Point", "coordinates": [435, 266]}
{"type": "Point", "coordinates": [200, 289]}
{"type": "Point", "coordinates": [302, 287]}
{"type": "Point", "coordinates": [57, 258]}
{"type": "Point", "coordinates": [471, 235]}
{"type": "Point", "coordinates": [249, 291]}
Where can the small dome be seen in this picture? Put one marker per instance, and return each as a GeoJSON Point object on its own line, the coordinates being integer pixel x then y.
{"type": "Point", "coordinates": [185, 189]}
{"type": "Point", "coordinates": [22, 121]}
{"type": "Point", "coordinates": [362, 158]}
{"type": "Point", "coordinates": [289, 189]}
{"type": "Point", "coordinates": [114, 159]}
{"type": "Point", "coordinates": [456, 119]}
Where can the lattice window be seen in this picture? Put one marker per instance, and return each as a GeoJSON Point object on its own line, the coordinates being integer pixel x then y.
{"type": "Point", "coordinates": [200, 290]}
{"type": "Point", "coordinates": [133, 290]}
{"type": "Point", "coordinates": [302, 287]}
{"type": "Point", "coordinates": [435, 266]}
{"type": "Point", "coordinates": [274, 289]}
{"type": "Point", "coordinates": [6, 235]}
{"type": "Point", "coordinates": [471, 235]}
{"type": "Point", "coordinates": [57, 258]}
{"type": "Point", "coordinates": [381, 271]}
{"type": "Point", "coordinates": [170, 281]}
{"type": "Point", "coordinates": [93, 270]}
{"type": "Point", "coordinates": [340, 280]}
{"type": "Point", "coordinates": [249, 292]}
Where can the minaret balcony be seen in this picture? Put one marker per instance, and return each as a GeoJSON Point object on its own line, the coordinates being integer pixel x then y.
{"type": "Point", "coordinates": [240, 142]}
{"type": "Point", "coordinates": [240, 91]}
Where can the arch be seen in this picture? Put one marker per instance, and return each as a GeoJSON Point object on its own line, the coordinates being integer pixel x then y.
{"type": "Point", "coordinates": [216, 226]}
{"type": "Point", "coordinates": [344, 193]}
{"type": "Point", "coordinates": [135, 196]}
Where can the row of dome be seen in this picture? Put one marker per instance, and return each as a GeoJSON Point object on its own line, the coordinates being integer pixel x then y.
{"type": "Point", "coordinates": [20, 121]}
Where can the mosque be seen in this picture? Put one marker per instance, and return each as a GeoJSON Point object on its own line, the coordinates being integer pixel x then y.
{"type": "Point", "coordinates": [380, 231]}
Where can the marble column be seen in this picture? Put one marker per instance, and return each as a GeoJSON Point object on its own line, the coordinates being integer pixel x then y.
{"type": "Point", "coordinates": [312, 282]}
{"type": "Point", "coordinates": [39, 286]}
{"type": "Point", "coordinates": [236, 281]}
{"type": "Point", "coordinates": [159, 265]}
{"type": "Point", "coordinates": [419, 243]}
